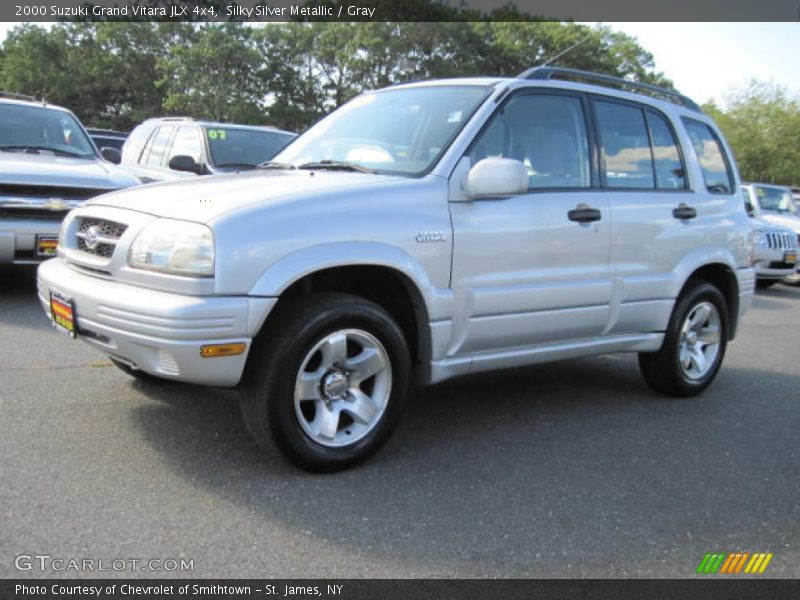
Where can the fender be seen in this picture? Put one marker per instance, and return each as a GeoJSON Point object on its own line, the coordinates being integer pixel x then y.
{"type": "Point", "coordinates": [697, 259]}
{"type": "Point", "coordinates": [293, 267]}
{"type": "Point", "coordinates": [740, 296]}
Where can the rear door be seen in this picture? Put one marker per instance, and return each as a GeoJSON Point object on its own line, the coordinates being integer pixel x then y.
{"type": "Point", "coordinates": [657, 219]}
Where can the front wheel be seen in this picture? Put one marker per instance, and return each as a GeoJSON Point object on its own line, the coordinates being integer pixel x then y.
{"type": "Point", "coordinates": [328, 381]}
{"type": "Point", "coordinates": [694, 344]}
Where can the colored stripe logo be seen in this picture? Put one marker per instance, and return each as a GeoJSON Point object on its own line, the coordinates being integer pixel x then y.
{"type": "Point", "coordinates": [737, 562]}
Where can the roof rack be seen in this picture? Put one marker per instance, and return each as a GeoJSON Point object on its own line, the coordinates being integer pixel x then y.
{"type": "Point", "coordinates": [14, 96]}
{"type": "Point", "coordinates": [172, 118]}
{"type": "Point", "coordinates": [547, 73]}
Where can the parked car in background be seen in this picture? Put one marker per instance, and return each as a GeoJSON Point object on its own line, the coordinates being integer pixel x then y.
{"type": "Point", "coordinates": [426, 231]}
{"type": "Point", "coordinates": [775, 205]}
{"type": "Point", "coordinates": [774, 252]}
{"type": "Point", "coordinates": [796, 195]}
{"type": "Point", "coordinates": [48, 165]}
{"type": "Point", "coordinates": [176, 147]}
{"type": "Point", "coordinates": [108, 138]}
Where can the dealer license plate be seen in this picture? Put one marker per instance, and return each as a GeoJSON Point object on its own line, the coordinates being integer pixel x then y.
{"type": "Point", "coordinates": [62, 310]}
{"type": "Point", "coordinates": [46, 245]}
{"type": "Point", "coordinates": [790, 258]}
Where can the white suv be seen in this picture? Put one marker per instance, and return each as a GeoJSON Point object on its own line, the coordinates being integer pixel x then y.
{"type": "Point", "coordinates": [430, 230]}
{"type": "Point", "coordinates": [775, 207]}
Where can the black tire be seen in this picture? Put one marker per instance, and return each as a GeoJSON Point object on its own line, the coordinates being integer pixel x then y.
{"type": "Point", "coordinates": [763, 284]}
{"type": "Point", "coordinates": [280, 353]}
{"type": "Point", "coordinates": [663, 370]}
{"type": "Point", "coordinates": [135, 373]}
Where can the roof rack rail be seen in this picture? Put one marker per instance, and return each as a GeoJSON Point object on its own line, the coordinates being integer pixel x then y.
{"type": "Point", "coordinates": [14, 96]}
{"type": "Point", "coordinates": [173, 118]}
{"type": "Point", "coordinates": [610, 81]}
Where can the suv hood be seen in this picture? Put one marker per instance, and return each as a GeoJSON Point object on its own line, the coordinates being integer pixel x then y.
{"type": "Point", "coordinates": [761, 224]}
{"type": "Point", "coordinates": [784, 219]}
{"type": "Point", "coordinates": [205, 198]}
{"type": "Point", "coordinates": [61, 171]}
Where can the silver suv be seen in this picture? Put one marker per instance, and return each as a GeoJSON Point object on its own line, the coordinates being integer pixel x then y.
{"type": "Point", "coordinates": [426, 231]}
{"type": "Point", "coordinates": [48, 165]}
{"type": "Point", "coordinates": [170, 148]}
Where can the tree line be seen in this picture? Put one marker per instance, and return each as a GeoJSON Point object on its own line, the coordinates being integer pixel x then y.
{"type": "Point", "coordinates": [761, 122]}
{"type": "Point", "coordinates": [116, 74]}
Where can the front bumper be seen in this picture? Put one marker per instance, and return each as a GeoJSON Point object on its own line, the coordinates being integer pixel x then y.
{"type": "Point", "coordinates": [770, 263]}
{"type": "Point", "coordinates": [158, 332]}
{"type": "Point", "coordinates": [18, 239]}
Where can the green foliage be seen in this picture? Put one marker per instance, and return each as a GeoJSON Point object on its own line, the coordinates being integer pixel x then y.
{"type": "Point", "coordinates": [762, 125]}
{"type": "Point", "coordinates": [214, 76]}
{"type": "Point", "coordinates": [116, 74]}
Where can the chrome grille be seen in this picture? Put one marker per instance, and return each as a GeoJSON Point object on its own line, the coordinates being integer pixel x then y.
{"type": "Point", "coordinates": [98, 236]}
{"type": "Point", "coordinates": [782, 241]}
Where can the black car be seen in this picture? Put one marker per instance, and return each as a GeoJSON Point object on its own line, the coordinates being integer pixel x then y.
{"type": "Point", "coordinates": [107, 138]}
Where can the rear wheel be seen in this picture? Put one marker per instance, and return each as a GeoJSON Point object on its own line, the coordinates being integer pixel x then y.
{"type": "Point", "coordinates": [694, 344]}
{"type": "Point", "coordinates": [327, 382]}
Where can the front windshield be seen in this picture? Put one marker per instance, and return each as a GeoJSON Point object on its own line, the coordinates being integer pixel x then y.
{"type": "Point", "coordinates": [41, 130]}
{"type": "Point", "coordinates": [402, 130]}
{"type": "Point", "coordinates": [234, 147]}
{"type": "Point", "coordinates": [777, 199]}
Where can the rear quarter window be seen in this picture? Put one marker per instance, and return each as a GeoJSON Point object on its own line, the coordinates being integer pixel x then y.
{"type": "Point", "coordinates": [714, 163]}
{"type": "Point", "coordinates": [134, 145]}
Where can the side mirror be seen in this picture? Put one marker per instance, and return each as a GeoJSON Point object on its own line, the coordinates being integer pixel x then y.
{"type": "Point", "coordinates": [497, 177]}
{"type": "Point", "coordinates": [111, 154]}
{"type": "Point", "coordinates": [749, 208]}
{"type": "Point", "coordinates": [185, 163]}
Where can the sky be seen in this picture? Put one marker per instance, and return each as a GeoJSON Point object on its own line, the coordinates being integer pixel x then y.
{"type": "Point", "coordinates": [706, 61]}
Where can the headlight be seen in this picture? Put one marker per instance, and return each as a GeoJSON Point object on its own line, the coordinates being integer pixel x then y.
{"type": "Point", "coordinates": [177, 247]}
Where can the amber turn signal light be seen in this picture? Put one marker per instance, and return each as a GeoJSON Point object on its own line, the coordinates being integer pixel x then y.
{"type": "Point", "coordinates": [215, 350]}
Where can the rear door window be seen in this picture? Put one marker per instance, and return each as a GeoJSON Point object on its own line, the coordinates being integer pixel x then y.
{"type": "Point", "coordinates": [669, 169]}
{"type": "Point", "coordinates": [158, 146]}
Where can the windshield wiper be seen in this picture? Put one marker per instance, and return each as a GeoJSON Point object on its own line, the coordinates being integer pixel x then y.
{"type": "Point", "coordinates": [271, 164]}
{"type": "Point", "coordinates": [337, 165]}
{"type": "Point", "coordinates": [236, 166]}
{"type": "Point", "coordinates": [13, 147]}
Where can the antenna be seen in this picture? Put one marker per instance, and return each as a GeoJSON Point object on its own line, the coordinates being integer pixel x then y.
{"type": "Point", "coordinates": [563, 52]}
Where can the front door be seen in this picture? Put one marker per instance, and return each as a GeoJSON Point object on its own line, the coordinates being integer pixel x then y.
{"type": "Point", "coordinates": [532, 269]}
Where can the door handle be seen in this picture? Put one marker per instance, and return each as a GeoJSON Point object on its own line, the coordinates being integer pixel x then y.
{"type": "Point", "coordinates": [684, 212]}
{"type": "Point", "coordinates": [584, 214]}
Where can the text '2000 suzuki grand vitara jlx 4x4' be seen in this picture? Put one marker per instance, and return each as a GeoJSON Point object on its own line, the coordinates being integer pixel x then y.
{"type": "Point", "coordinates": [430, 229]}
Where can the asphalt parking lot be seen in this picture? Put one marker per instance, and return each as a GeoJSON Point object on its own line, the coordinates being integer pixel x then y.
{"type": "Point", "coordinates": [568, 470]}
